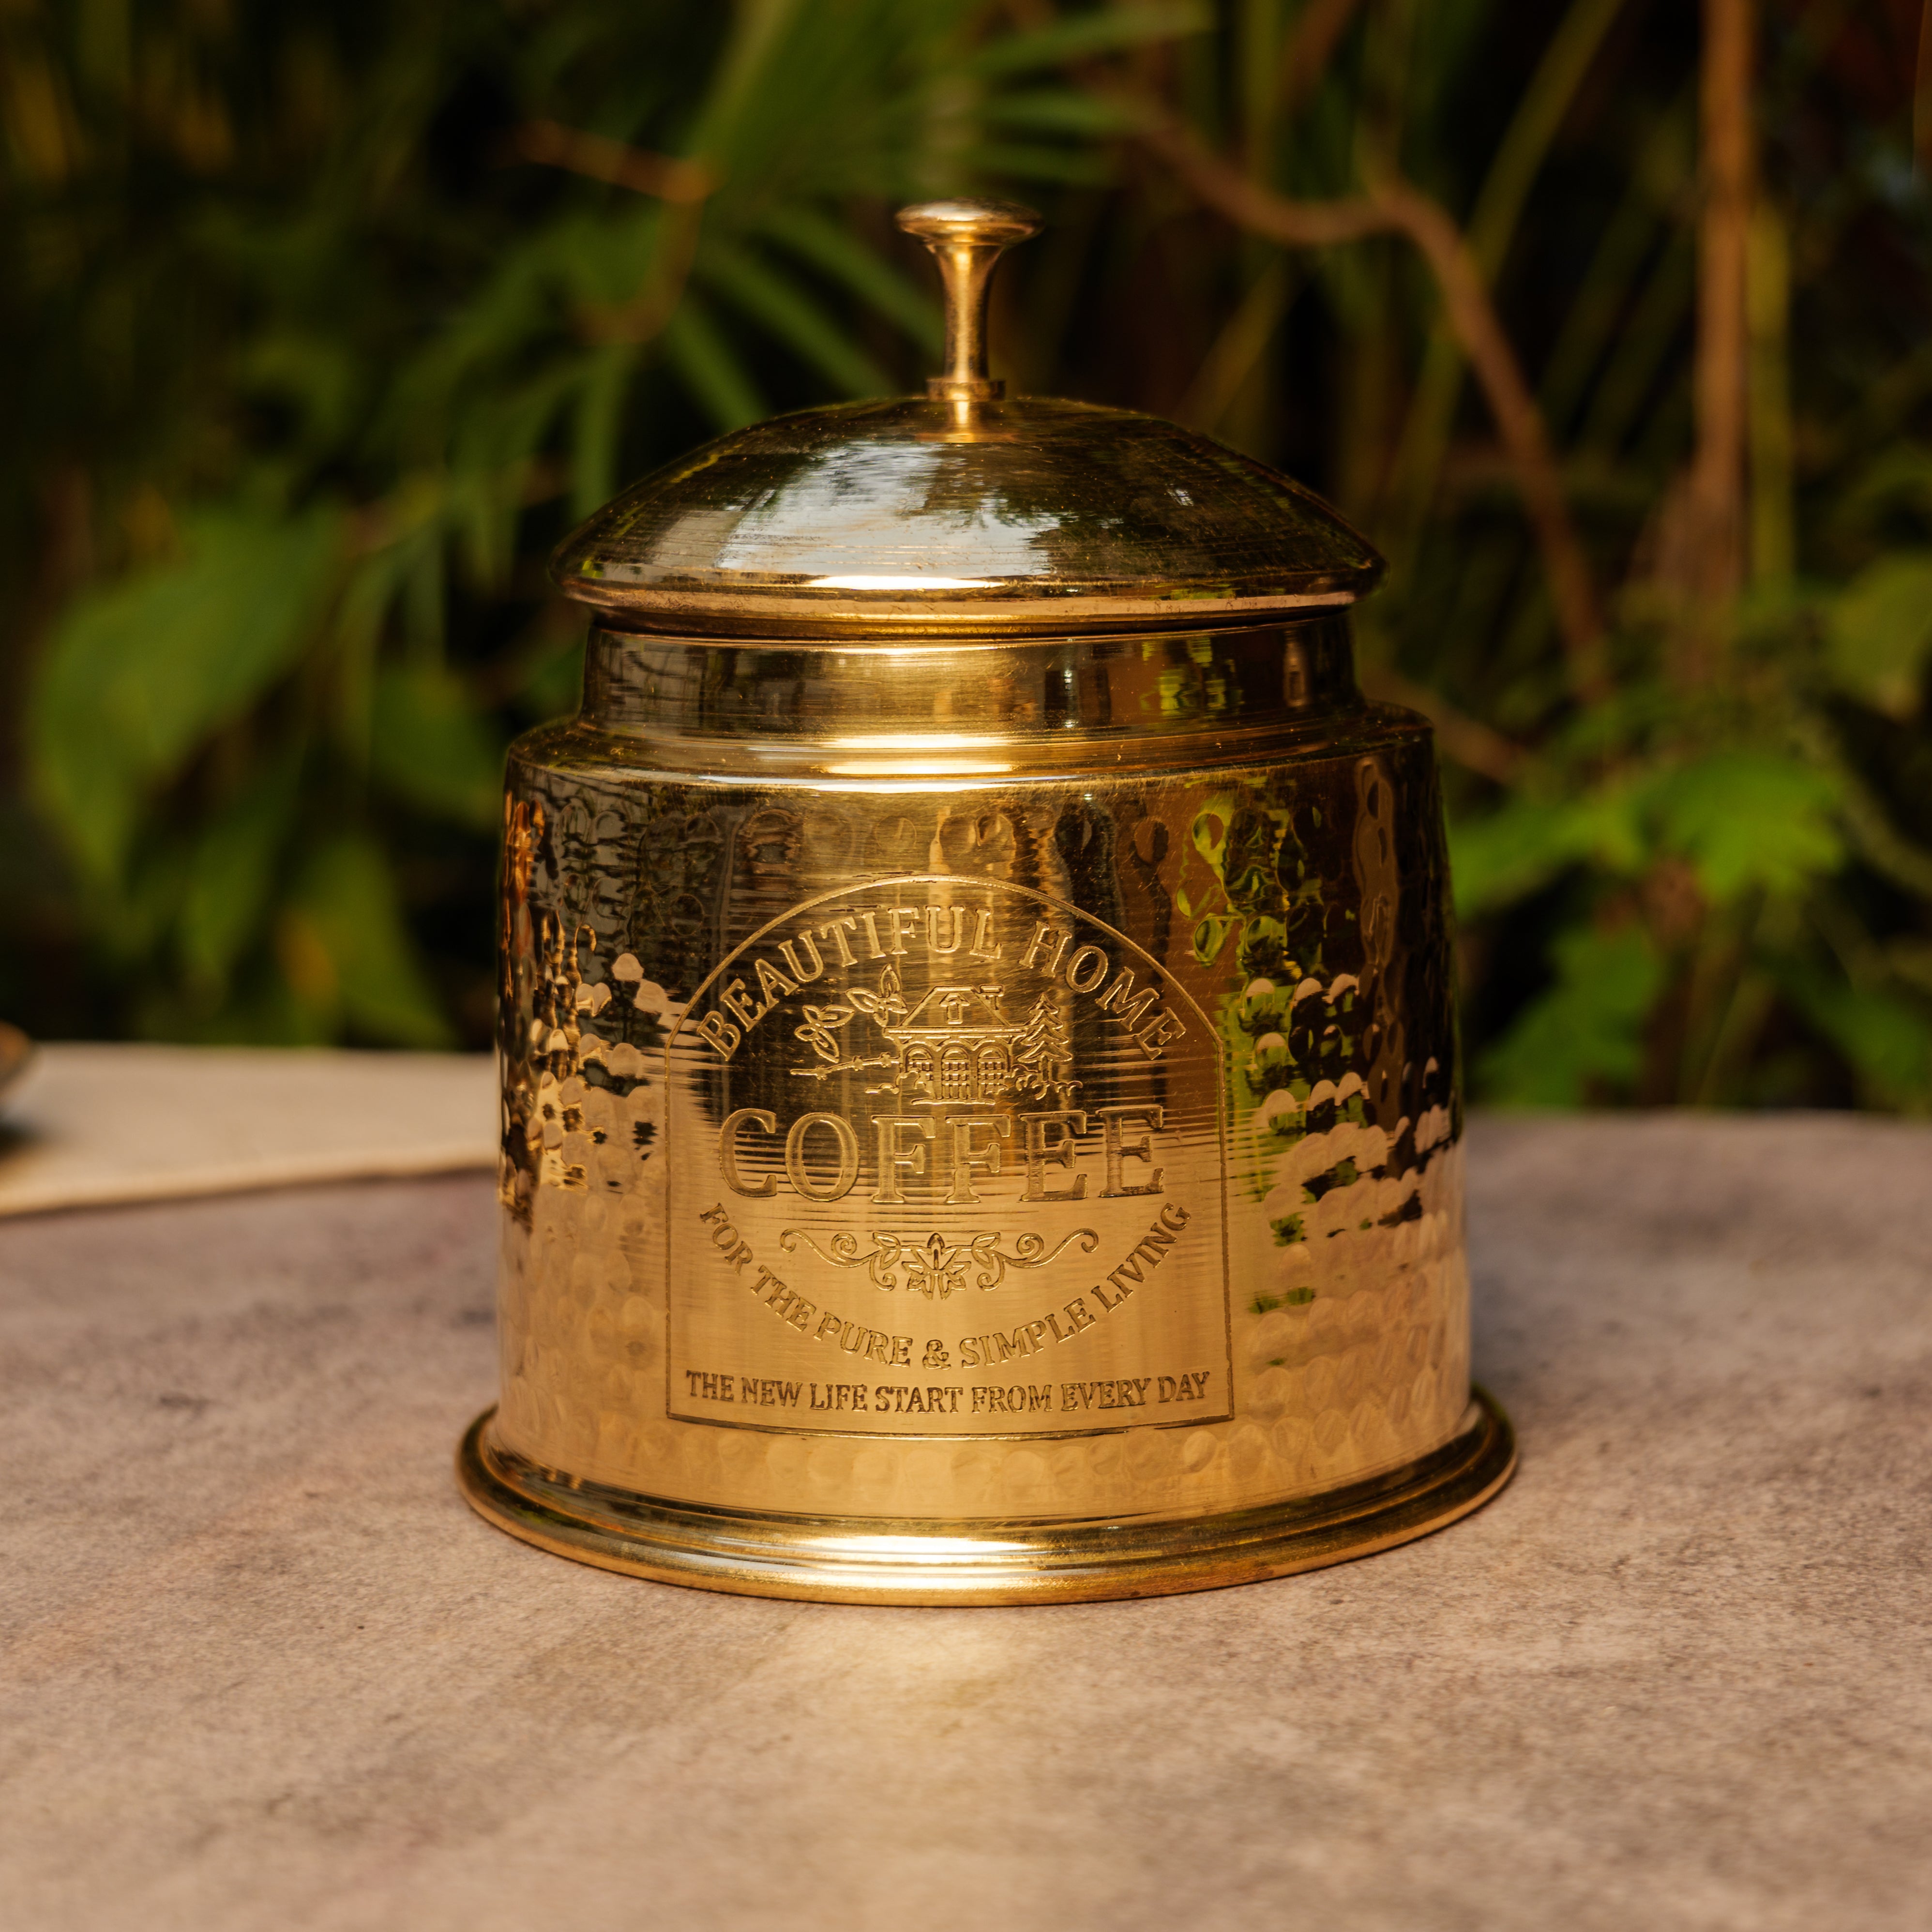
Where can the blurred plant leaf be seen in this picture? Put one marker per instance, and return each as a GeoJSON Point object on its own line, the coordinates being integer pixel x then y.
{"type": "Point", "coordinates": [1749, 820]}
{"type": "Point", "coordinates": [1034, 162]}
{"type": "Point", "coordinates": [599, 424]}
{"type": "Point", "coordinates": [232, 875]}
{"type": "Point", "coordinates": [1878, 633]}
{"type": "Point", "coordinates": [774, 300]}
{"type": "Point", "coordinates": [554, 684]}
{"type": "Point", "coordinates": [1079, 36]}
{"type": "Point", "coordinates": [1887, 1040]}
{"type": "Point", "coordinates": [1504, 856]}
{"type": "Point", "coordinates": [137, 676]}
{"type": "Point", "coordinates": [1745, 820]}
{"type": "Point", "coordinates": [837, 253]}
{"type": "Point", "coordinates": [1059, 110]}
{"type": "Point", "coordinates": [431, 746]}
{"type": "Point", "coordinates": [710, 368]}
{"type": "Point", "coordinates": [1585, 1034]}
{"type": "Point", "coordinates": [318, 377]}
{"type": "Point", "coordinates": [348, 954]}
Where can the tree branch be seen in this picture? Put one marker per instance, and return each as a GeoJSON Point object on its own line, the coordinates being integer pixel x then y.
{"type": "Point", "coordinates": [1472, 744]}
{"type": "Point", "coordinates": [1391, 206]}
{"type": "Point", "coordinates": [683, 186]}
{"type": "Point", "coordinates": [551, 144]}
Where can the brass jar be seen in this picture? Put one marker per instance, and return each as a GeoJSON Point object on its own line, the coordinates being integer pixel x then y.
{"type": "Point", "coordinates": [981, 1120]}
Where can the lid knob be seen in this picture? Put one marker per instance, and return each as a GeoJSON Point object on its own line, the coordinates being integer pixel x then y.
{"type": "Point", "coordinates": [967, 238]}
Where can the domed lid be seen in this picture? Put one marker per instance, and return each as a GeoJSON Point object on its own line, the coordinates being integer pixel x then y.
{"type": "Point", "coordinates": [959, 513]}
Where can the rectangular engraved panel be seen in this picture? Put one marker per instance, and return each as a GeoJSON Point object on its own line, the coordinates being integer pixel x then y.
{"type": "Point", "coordinates": [946, 1159]}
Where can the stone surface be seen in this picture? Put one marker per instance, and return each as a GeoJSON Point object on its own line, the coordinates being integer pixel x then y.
{"type": "Point", "coordinates": [262, 1668]}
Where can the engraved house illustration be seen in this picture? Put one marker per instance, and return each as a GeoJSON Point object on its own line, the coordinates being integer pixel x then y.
{"type": "Point", "coordinates": [956, 1045]}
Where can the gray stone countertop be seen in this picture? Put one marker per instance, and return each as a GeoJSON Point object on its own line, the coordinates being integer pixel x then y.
{"type": "Point", "coordinates": [262, 1668]}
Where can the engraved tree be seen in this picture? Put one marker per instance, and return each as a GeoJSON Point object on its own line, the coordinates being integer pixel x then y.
{"type": "Point", "coordinates": [1043, 1053]}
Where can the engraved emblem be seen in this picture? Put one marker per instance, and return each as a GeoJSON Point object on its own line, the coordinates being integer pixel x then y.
{"type": "Point", "coordinates": [956, 1044]}
{"type": "Point", "coordinates": [956, 1092]}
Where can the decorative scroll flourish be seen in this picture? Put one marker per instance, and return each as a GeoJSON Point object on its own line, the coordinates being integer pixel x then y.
{"type": "Point", "coordinates": [931, 1264]}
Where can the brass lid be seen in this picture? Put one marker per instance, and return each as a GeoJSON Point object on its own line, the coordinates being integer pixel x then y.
{"type": "Point", "coordinates": [959, 513]}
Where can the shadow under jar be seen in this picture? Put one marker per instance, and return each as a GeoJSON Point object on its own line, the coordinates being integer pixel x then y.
{"type": "Point", "coordinates": [980, 1105]}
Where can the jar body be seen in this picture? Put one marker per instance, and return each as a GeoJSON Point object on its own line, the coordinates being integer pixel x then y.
{"type": "Point", "coordinates": [1032, 1121]}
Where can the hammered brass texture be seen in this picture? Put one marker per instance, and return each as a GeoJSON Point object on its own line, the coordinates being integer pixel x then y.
{"type": "Point", "coordinates": [1236, 1283]}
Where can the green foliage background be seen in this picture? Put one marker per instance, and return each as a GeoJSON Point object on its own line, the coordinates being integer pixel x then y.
{"type": "Point", "coordinates": [310, 363]}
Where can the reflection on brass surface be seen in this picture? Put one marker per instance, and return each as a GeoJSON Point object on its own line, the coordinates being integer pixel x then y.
{"type": "Point", "coordinates": [979, 1075]}
{"type": "Point", "coordinates": [883, 516]}
{"type": "Point", "coordinates": [858, 1560]}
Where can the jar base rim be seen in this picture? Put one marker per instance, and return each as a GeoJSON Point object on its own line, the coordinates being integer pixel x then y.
{"type": "Point", "coordinates": [849, 1560]}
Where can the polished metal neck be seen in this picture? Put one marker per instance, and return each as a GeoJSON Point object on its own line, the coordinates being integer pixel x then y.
{"type": "Point", "coordinates": [993, 711]}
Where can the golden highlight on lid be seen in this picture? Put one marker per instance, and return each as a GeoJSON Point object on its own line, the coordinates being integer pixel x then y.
{"type": "Point", "coordinates": [962, 513]}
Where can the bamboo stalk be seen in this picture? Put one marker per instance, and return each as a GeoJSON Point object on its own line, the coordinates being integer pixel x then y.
{"type": "Point", "coordinates": [1768, 298]}
{"type": "Point", "coordinates": [1715, 504]}
{"type": "Point", "coordinates": [1243, 338]}
{"type": "Point", "coordinates": [1311, 44]}
{"type": "Point", "coordinates": [1492, 225]}
{"type": "Point", "coordinates": [1921, 94]}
